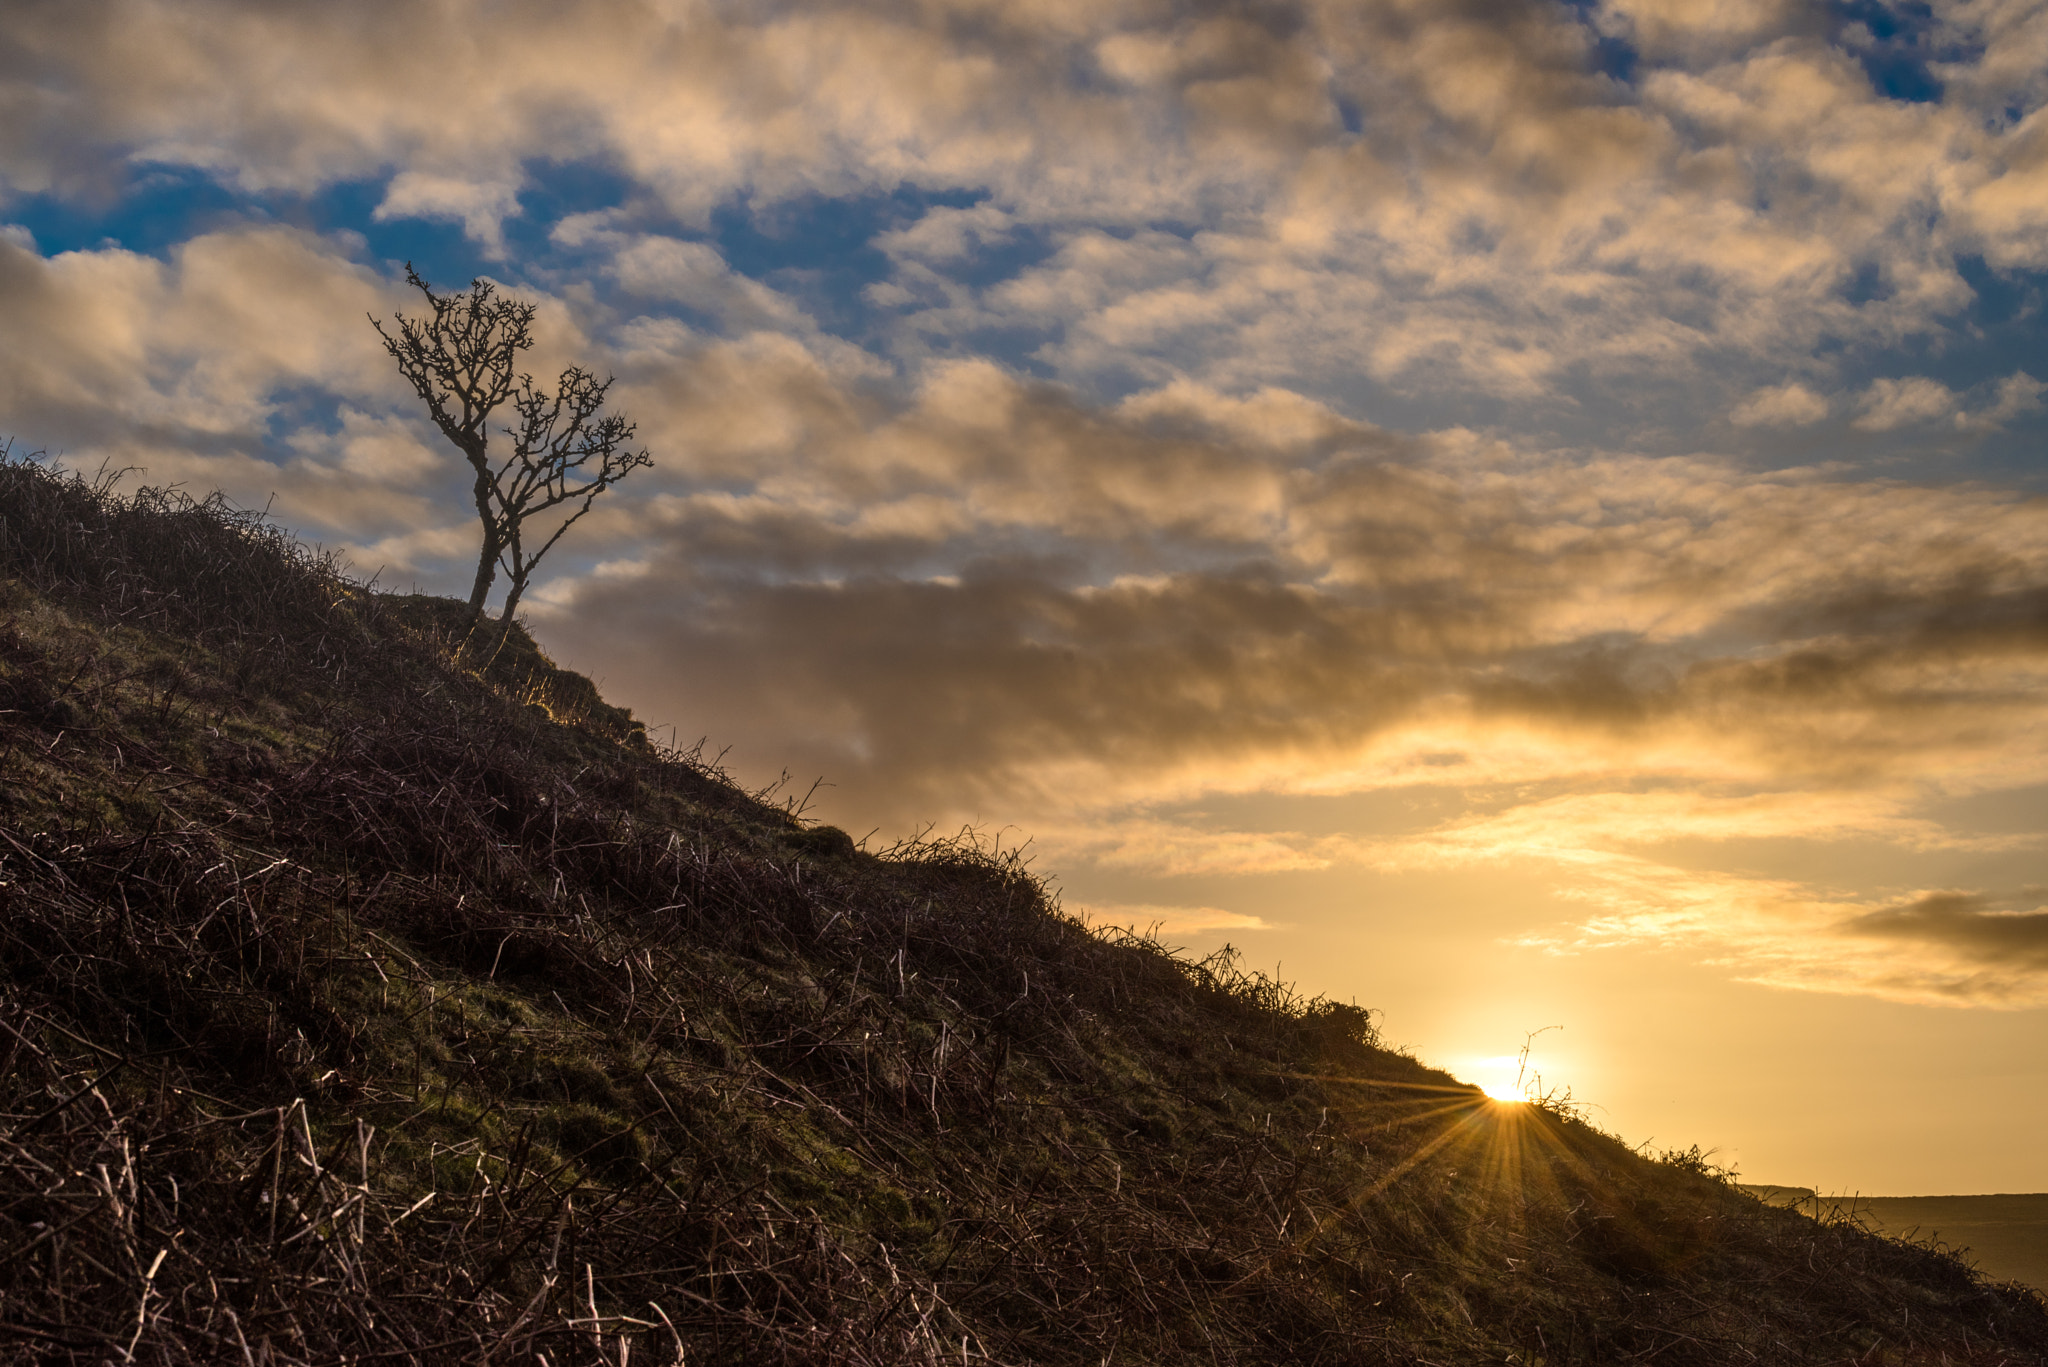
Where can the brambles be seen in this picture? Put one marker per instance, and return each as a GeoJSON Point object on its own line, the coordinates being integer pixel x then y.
{"type": "Point", "coordinates": [162, 560]}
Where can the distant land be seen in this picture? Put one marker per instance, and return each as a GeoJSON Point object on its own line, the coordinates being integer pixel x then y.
{"type": "Point", "coordinates": [2005, 1235]}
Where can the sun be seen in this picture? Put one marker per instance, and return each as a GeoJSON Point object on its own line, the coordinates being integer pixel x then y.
{"type": "Point", "coordinates": [1501, 1077]}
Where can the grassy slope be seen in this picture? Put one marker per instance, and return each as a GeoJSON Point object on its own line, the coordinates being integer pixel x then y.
{"type": "Point", "coordinates": [356, 1008]}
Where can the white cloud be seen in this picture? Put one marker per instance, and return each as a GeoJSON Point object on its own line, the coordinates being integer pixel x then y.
{"type": "Point", "coordinates": [381, 449]}
{"type": "Point", "coordinates": [946, 234]}
{"type": "Point", "coordinates": [1695, 31]}
{"type": "Point", "coordinates": [694, 275]}
{"type": "Point", "coordinates": [480, 206]}
{"type": "Point", "coordinates": [2014, 396]}
{"type": "Point", "coordinates": [1786, 405]}
{"type": "Point", "coordinates": [1890, 404]}
{"type": "Point", "coordinates": [198, 343]}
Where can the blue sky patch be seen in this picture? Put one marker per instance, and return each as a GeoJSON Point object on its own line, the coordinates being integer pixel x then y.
{"type": "Point", "coordinates": [1895, 44]}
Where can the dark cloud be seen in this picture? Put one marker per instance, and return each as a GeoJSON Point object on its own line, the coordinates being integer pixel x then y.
{"type": "Point", "coordinates": [926, 693]}
{"type": "Point", "coordinates": [1065, 587]}
{"type": "Point", "coordinates": [1971, 926]}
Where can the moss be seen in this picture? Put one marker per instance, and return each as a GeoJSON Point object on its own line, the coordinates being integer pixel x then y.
{"type": "Point", "coordinates": [598, 1140]}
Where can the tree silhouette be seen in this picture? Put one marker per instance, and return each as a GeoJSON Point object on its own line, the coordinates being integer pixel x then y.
{"type": "Point", "coordinates": [564, 452]}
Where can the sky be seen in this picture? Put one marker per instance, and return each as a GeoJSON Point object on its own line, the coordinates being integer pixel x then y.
{"type": "Point", "coordinates": [1516, 514]}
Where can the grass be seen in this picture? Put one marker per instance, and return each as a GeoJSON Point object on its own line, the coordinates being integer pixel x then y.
{"type": "Point", "coordinates": [358, 1007]}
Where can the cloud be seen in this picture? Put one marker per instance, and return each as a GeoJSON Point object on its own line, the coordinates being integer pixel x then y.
{"type": "Point", "coordinates": [196, 346]}
{"type": "Point", "coordinates": [2014, 396]}
{"type": "Point", "coordinates": [1698, 31]}
{"type": "Point", "coordinates": [1574, 825]}
{"type": "Point", "coordinates": [1149, 599]}
{"type": "Point", "coordinates": [945, 234]}
{"type": "Point", "coordinates": [1933, 950]}
{"type": "Point", "coordinates": [380, 450]}
{"type": "Point", "coordinates": [1890, 404]}
{"type": "Point", "coordinates": [1146, 918]}
{"type": "Point", "coordinates": [1606, 851]}
{"type": "Point", "coordinates": [481, 207]}
{"type": "Point", "coordinates": [1970, 924]}
{"type": "Point", "coordinates": [694, 275]}
{"type": "Point", "coordinates": [1427, 201]}
{"type": "Point", "coordinates": [1240, 401]}
{"type": "Point", "coordinates": [1785, 405]}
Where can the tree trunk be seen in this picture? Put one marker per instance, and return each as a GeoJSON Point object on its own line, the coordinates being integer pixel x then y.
{"type": "Point", "coordinates": [486, 571]}
{"type": "Point", "coordinates": [505, 622]}
{"type": "Point", "coordinates": [487, 558]}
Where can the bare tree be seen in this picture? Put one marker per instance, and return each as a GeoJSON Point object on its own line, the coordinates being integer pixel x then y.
{"type": "Point", "coordinates": [564, 452]}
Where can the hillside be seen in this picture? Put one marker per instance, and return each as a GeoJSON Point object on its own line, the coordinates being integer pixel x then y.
{"type": "Point", "coordinates": [358, 1008]}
